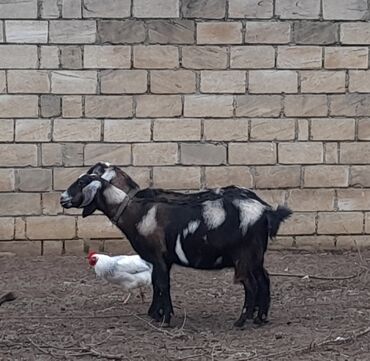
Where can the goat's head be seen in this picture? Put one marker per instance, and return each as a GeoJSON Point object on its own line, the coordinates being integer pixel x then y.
{"type": "Point", "coordinates": [114, 175]}
{"type": "Point", "coordinates": [81, 193]}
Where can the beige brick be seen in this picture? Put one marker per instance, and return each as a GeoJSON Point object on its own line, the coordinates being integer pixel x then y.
{"type": "Point", "coordinates": [323, 81]}
{"type": "Point", "coordinates": [7, 180]}
{"type": "Point", "coordinates": [277, 177]}
{"type": "Point", "coordinates": [73, 82]}
{"type": "Point", "coordinates": [315, 242]}
{"type": "Point", "coordinates": [2, 81]}
{"type": "Point", "coordinates": [64, 177]}
{"type": "Point", "coordinates": [299, 57]}
{"type": "Point", "coordinates": [108, 106]}
{"type": "Point", "coordinates": [94, 245]}
{"type": "Point", "coordinates": [325, 176]}
{"type": "Point", "coordinates": [97, 227]}
{"type": "Point", "coordinates": [251, 9]}
{"type": "Point", "coordinates": [107, 56]}
{"type": "Point", "coordinates": [272, 129]}
{"type": "Point", "coordinates": [282, 242]}
{"type": "Point", "coordinates": [176, 177]}
{"type": "Point", "coordinates": [299, 223]}
{"type": "Point", "coordinates": [18, 56]}
{"type": "Point", "coordinates": [353, 242]}
{"type": "Point", "coordinates": [49, 9]}
{"type": "Point", "coordinates": [297, 9]}
{"type": "Point", "coordinates": [251, 57]}
{"type": "Point", "coordinates": [346, 57]}
{"type": "Point", "coordinates": [118, 246]}
{"type": "Point", "coordinates": [345, 9]}
{"type": "Point", "coordinates": [51, 154]}
{"type": "Point", "coordinates": [72, 154]}
{"type": "Point", "coordinates": [71, 9]}
{"type": "Point", "coordinates": [223, 81]}
{"type": "Point", "coordinates": [75, 247]}
{"type": "Point", "coordinates": [52, 248]}
{"type": "Point", "coordinates": [6, 130]}
{"type": "Point", "coordinates": [50, 106]}
{"type": "Point", "coordinates": [172, 81]}
{"type": "Point", "coordinates": [226, 129]}
{"type": "Point", "coordinates": [51, 204]}
{"type": "Point", "coordinates": [26, 31]}
{"type": "Point", "coordinates": [6, 228]}
{"type": "Point", "coordinates": [301, 152]}
{"type": "Point", "coordinates": [123, 81]}
{"type": "Point", "coordinates": [331, 153]}
{"type": "Point", "coordinates": [355, 153]}
{"type": "Point", "coordinates": [350, 105]}
{"type": "Point", "coordinates": [127, 130]}
{"type": "Point", "coordinates": [353, 199]}
{"type": "Point", "coordinates": [22, 248]}
{"type": "Point", "coordinates": [158, 106]}
{"type": "Point", "coordinates": [35, 179]}
{"type": "Point", "coordinates": [121, 31]}
{"type": "Point", "coordinates": [81, 130]}
{"type": "Point", "coordinates": [33, 130]}
{"type": "Point", "coordinates": [340, 223]}
{"type": "Point", "coordinates": [156, 8]}
{"type": "Point", "coordinates": [1, 32]}
{"type": "Point", "coordinates": [49, 58]}
{"type": "Point", "coordinates": [119, 154]}
{"type": "Point", "coordinates": [252, 153]}
{"type": "Point", "coordinates": [171, 31]}
{"type": "Point", "coordinates": [72, 106]}
{"type": "Point", "coordinates": [219, 33]}
{"type": "Point", "coordinates": [28, 81]}
{"type": "Point", "coordinates": [367, 222]}
{"type": "Point", "coordinates": [204, 57]}
{"type": "Point", "coordinates": [13, 9]}
{"type": "Point", "coordinates": [364, 129]}
{"type": "Point", "coordinates": [303, 129]}
{"type": "Point", "coordinates": [315, 32]}
{"type": "Point", "coordinates": [205, 105]}
{"type": "Point", "coordinates": [333, 129]}
{"type": "Point", "coordinates": [61, 227]}
{"type": "Point", "coordinates": [156, 56]}
{"type": "Point", "coordinates": [18, 106]}
{"type": "Point", "coordinates": [207, 154]}
{"type": "Point", "coordinates": [359, 81]}
{"type": "Point", "coordinates": [107, 9]}
{"type": "Point", "coordinates": [355, 33]}
{"type": "Point", "coordinates": [311, 199]}
{"type": "Point", "coordinates": [18, 204]}
{"type": "Point", "coordinates": [274, 197]}
{"type": "Point", "coordinates": [71, 57]}
{"type": "Point", "coordinates": [267, 32]}
{"type": "Point", "coordinates": [141, 175]}
{"type": "Point", "coordinates": [214, 9]}
{"type": "Point", "coordinates": [154, 154]}
{"type": "Point", "coordinates": [305, 105]}
{"type": "Point", "coordinates": [20, 228]}
{"type": "Point", "coordinates": [229, 175]}
{"type": "Point", "coordinates": [258, 105]}
{"type": "Point", "coordinates": [273, 81]}
{"type": "Point", "coordinates": [176, 129]}
{"type": "Point", "coordinates": [19, 155]}
{"type": "Point", "coordinates": [72, 31]}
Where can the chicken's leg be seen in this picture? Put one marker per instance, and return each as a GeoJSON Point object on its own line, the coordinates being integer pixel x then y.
{"type": "Point", "coordinates": [142, 295]}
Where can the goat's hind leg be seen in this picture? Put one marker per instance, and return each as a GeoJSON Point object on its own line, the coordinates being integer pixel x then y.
{"type": "Point", "coordinates": [263, 296]}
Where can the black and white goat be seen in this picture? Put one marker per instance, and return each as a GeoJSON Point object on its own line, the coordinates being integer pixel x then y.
{"type": "Point", "coordinates": [214, 229]}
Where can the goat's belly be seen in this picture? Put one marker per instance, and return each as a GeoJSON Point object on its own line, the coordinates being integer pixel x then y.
{"type": "Point", "coordinates": [208, 262]}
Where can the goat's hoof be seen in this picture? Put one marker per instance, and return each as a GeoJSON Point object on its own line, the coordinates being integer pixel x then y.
{"type": "Point", "coordinates": [239, 323]}
{"type": "Point", "coordinates": [260, 320]}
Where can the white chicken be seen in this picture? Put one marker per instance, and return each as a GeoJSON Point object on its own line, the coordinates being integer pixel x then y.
{"type": "Point", "coordinates": [129, 272]}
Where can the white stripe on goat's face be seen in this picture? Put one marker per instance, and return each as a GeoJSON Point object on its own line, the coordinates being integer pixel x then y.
{"type": "Point", "coordinates": [81, 175]}
{"type": "Point", "coordinates": [109, 174]}
{"type": "Point", "coordinates": [148, 223]}
{"type": "Point", "coordinates": [213, 213]}
{"type": "Point", "coordinates": [180, 252]}
{"type": "Point", "coordinates": [191, 228]}
{"type": "Point", "coordinates": [250, 211]}
{"type": "Point", "coordinates": [114, 195]}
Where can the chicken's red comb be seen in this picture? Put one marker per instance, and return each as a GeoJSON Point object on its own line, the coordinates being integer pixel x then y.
{"type": "Point", "coordinates": [90, 254]}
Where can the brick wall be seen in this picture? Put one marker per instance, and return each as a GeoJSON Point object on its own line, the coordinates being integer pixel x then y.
{"type": "Point", "coordinates": [185, 94]}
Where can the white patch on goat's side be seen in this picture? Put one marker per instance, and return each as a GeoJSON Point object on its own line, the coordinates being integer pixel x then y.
{"type": "Point", "coordinates": [250, 211]}
{"type": "Point", "coordinates": [191, 228]}
{"type": "Point", "coordinates": [114, 195]}
{"type": "Point", "coordinates": [109, 174]}
{"type": "Point", "coordinates": [148, 223]}
{"type": "Point", "coordinates": [218, 261]}
{"type": "Point", "coordinates": [217, 190]}
{"type": "Point", "coordinates": [180, 252]}
{"type": "Point", "coordinates": [214, 213]}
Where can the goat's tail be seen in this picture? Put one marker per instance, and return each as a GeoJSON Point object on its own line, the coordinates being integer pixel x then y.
{"type": "Point", "coordinates": [275, 217]}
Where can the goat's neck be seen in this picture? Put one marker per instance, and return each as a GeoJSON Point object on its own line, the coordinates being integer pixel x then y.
{"type": "Point", "coordinates": [110, 199]}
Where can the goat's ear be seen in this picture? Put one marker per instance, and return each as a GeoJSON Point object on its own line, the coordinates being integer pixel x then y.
{"type": "Point", "coordinates": [89, 192]}
{"type": "Point", "coordinates": [89, 209]}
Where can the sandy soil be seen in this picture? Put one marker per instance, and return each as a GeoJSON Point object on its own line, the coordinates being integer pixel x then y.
{"type": "Point", "coordinates": [63, 312]}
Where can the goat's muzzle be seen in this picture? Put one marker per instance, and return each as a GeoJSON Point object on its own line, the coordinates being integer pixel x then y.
{"type": "Point", "coordinates": [66, 200]}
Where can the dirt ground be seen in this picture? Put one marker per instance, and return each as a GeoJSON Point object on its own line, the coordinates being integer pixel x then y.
{"type": "Point", "coordinates": [64, 312]}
